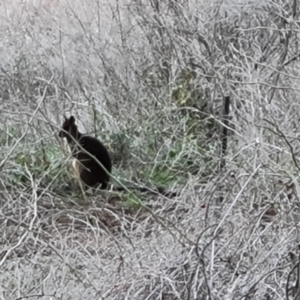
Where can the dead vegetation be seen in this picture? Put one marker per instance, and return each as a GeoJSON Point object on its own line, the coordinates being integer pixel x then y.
{"type": "Point", "coordinates": [149, 79]}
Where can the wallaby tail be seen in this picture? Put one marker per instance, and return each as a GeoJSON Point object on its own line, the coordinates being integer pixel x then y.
{"type": "Point", "coordinates": [156, 191]}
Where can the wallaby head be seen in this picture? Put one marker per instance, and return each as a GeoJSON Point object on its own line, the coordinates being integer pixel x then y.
{"type": "Point", "coordinates": [69, 128]}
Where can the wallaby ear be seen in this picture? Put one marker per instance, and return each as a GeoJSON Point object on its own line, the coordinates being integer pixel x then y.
{"type": "Point", "coordinates": [72, 120]}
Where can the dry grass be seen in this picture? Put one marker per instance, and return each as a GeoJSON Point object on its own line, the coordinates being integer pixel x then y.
{"type": "Point", "coordinates": [148, 78]}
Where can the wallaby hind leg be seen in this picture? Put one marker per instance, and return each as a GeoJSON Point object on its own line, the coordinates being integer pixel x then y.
{"type": "Point", "coordinates": [94, 178]}
{"type": "Point", "coordinates": [103, 186]}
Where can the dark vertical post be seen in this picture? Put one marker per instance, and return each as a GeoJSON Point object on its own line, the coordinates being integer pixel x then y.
{"type": "Point", "coordinates": [224, 131]}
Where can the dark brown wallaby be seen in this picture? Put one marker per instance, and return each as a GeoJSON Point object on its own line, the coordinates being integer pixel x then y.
{"type": "Point", "coordinates": [90, 171]}
{"type": "Point", "coordinates": [87, 168]}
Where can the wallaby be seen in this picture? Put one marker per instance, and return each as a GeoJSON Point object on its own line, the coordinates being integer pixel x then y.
{"type": "Point", "coordinates": [87, 168]}
{"type": "Point", "coordinates": [90, 171]}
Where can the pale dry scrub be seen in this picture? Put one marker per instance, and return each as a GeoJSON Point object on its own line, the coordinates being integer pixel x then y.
{"type": "Point", "coordinates": [149, 78]}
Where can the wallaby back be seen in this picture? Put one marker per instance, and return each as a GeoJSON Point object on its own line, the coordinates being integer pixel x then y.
{"type": "Point", "coordinates": [90, 172]}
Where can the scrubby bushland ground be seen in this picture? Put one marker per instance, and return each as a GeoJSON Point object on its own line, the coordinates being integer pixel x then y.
{"type": "Point", "coordinates": [149, 79]}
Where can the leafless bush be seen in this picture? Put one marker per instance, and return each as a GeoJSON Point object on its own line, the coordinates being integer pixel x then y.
{"type": "Point", "coordinates": [148, 78]}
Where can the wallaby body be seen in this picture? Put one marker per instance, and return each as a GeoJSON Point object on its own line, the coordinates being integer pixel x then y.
{"type": "Point", "coordinates": [91, 173]}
